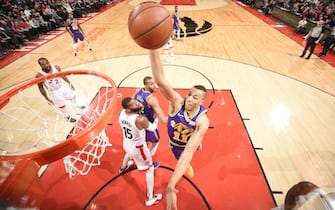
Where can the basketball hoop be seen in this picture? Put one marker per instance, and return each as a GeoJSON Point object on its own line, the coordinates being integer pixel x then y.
{"type": "Point", "coordinates": [32, 129]}
{"type": "Point", "coordinates": [81, 161]}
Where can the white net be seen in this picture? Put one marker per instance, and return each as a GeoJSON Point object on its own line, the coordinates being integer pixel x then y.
{"type": "Point", "coordinates": [30, 127]}
{"type": "Point", "coordinates": [81, 161]}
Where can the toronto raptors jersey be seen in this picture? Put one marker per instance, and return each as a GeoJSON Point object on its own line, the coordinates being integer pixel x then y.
{"type": "Point", "coordinates": [54, 83]}
{"type": "Point", "coordinates": [131, 134]}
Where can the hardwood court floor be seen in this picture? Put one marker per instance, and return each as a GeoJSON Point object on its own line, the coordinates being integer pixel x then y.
{"type": "Point", "coordinates": [287, 102]}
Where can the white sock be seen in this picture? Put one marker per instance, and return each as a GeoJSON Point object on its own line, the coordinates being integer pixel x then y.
{"type": "Point", "coordinates": [87, 45]}
{"type": "Point", "coordinates": [150, 179]}
{"type": "Point", "coordinates": [74, 47]}
{"type": "Point", "coordinates": [178, 34]}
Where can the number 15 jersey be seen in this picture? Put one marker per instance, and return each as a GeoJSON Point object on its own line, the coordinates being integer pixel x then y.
{"type": "Point", "coordinates": [132, 136]}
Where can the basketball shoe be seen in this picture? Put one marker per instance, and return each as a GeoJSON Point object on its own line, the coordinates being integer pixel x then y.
{"type": "Point", "coordinates": [189, 171]}
{"type": "Point", "coordinates": [129, 165]}
{"type": "Point", "coordinates": [70, 119]}
{"type": "Point", "coordinates": [156, 164]}
{"type": "Point", "coordinates": [154, 200]}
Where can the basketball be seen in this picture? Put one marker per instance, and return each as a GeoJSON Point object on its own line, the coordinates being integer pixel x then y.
{"type": "Point", "coordinates": [150, 25]}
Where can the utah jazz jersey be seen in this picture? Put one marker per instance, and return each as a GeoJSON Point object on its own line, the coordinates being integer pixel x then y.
{"type": "Point", "coordinates": [180, 128]}
{"type": "Point", "coordinates": [142, 96]}
{"type": "Point", "coordinates": [73, 26]}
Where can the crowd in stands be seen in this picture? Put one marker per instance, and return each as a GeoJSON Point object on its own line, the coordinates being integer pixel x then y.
{"type": "Point", "coordinates": [313, 10]}
{"type": "Point", "coordinates": [26, 20]}
{"type": "Point", "coordinates": [307, 10]}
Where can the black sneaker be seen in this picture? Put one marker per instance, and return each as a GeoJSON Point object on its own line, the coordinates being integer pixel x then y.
{"type": "Point", "coordinates": [70, 119]}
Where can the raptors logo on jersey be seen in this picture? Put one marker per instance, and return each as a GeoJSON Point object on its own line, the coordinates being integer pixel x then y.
{"type": "Point", "coordinates": [182, 132]}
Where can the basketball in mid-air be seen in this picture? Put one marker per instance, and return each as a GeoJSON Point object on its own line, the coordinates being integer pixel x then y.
{"type": "Point", "coordinates": [150, 25]}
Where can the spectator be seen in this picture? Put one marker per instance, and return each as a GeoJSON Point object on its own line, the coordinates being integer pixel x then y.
{"type": "Point", "coordinates": [61, 12]}
{"type": "Point", "coordinates": [27, 11]}
{"type": "Point", "coordinates": [44, 25]}
{"type": "Point", "coordinates": [4, 43]}
{"type": "Point", "coordinates": [34, 27]}
{"type": "Point", "coordinates": [301, 27]}
{"type": "Point", "coordinates": [267, 7]}
{"type": "Point", "coordinates": [68, 7]}
{"type": "Point", "coordinates": [16, 40]}
{"type": "Point", "coordinates": [329, 42]}
{"type": "Point", "coordinates": [23, 27]}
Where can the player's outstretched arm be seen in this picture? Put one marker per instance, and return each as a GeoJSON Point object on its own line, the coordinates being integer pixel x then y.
{"type": "Point", "coordinates": [185, 160]}
{"type": "Point", "coordinates": [159, 77]}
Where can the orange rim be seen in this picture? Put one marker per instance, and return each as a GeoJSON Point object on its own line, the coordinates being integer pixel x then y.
{"type": "Point", "coordinates": [73, 143]}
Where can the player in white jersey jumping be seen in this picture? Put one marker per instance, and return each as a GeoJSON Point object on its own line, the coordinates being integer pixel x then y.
{"type": "Point", "coordinates": [133, 126]}
{"type": "Point", "coordinates": [55, 88]}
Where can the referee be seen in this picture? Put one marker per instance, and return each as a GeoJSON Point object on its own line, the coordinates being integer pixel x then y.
{"type": "Point", "coordinates": [313, 37]}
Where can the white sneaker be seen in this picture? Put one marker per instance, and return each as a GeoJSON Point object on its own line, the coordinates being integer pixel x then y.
{"type": "Point", "coordinates": [129, 164]}
{"type": "Point", "coordinates": [154, 199]}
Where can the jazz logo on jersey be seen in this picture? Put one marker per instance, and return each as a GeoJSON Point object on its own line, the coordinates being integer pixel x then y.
{"type": "Point", "coordinates": [181, 132]}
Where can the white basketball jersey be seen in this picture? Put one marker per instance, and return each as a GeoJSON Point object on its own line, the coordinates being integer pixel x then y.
{"type": "Point", "coordinates": [54, 83]}
{"type": "Point", "coordinates": [131, 134]}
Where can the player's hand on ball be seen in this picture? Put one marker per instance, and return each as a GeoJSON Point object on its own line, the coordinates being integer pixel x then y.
{"type": "Point", "coordinates": [149, 25]}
